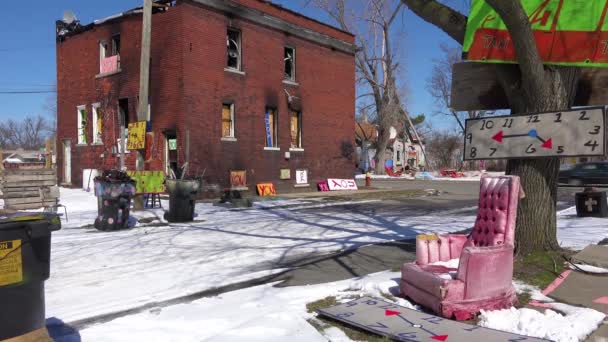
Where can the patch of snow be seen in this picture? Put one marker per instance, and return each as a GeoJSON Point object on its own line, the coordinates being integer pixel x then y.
{"type": "Point", "coordinates": [453, 263]}
{"type": "Point", "coordinates": [574, 326]}
{"type": "Point", "coordinates": [262, 313]}
{"type": "Point", "coordinates": [385, 177]}
{"type": "Point", "coordinates": [589, 268]}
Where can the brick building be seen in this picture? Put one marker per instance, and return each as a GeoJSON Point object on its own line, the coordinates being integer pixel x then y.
{"type": "Point", "coordinates": [256, 86]}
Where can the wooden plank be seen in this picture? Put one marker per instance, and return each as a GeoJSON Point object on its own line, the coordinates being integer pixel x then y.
{"type": "Point", "coordinates": [27, 178]}
{"type": "Point", "coordinates": [10, 190]}
{"type": "Point", "coordinates": [21, 194]}
{"type": "Point", "coordinates": [28, 206]}
{"type": "Point", "coordinates": [28, 172]}
{"type": "Point", "coordinates": [14, 201]}
{"type": "Point", "coordinates": [475, 86]}
{"type": "Point", "coordinates": [29, 183]}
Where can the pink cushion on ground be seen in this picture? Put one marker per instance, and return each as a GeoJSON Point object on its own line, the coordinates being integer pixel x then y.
{"type": "Point", "coordinates": [432, 283]}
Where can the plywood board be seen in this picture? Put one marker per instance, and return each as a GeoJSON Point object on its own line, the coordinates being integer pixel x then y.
{"type": "Point", "coordinates": [554, 134]}
{"type": "Point", "coordinates": [403, 324]}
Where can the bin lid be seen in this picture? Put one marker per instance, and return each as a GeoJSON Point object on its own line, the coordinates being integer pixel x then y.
{"type": "Point", "coordinates": [40, 223]}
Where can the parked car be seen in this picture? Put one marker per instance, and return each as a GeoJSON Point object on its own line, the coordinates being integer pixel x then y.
{"type": "Point", "coordinates": [585, 173]}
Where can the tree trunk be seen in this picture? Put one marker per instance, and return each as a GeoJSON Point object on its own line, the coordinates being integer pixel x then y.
{"type": "Point", "coordinates": [536, 214]}
{"type": "Point", "coordinates": [380, 157]}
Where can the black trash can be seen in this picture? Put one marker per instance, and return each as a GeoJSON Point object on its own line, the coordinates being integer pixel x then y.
{"type": "Point", "coordinates": [182, 199]}
{"type": "Point", "coordinates": [114, 191]}
{"type": "Point", "coordinates": [25, 254]}
{"type": "Point", "coordinates": [591, 204]}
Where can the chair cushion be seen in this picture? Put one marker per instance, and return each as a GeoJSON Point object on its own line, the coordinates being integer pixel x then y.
{"type": "Point", "coordinates": [497, 211]}
{"type": "Point", "coordinates": [423, 278]}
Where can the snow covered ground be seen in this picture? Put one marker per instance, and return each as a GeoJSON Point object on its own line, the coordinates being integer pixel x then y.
{"type": "Point", "coordinates": [96, 273]}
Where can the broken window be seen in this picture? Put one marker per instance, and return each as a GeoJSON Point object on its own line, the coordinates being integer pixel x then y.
{"type": "Point", "coordinates": [123, 107]}
{"type": "Point", "coordinates": [233, 43]}
{"type": "Point", "coordinates": [228, 120]}
{"type": "Point", "coordinates": [290, 63]}
{"type": "Point", "coordinates": [82, 124]}
{"type": "Point", "coordinates": [296, 129]}
{"type": "Point", "coordinates": [97, 124]}
{"type": "Point", "coordinates": [116, 45]}
{"type": "Point", "coordinates": [271, 127]}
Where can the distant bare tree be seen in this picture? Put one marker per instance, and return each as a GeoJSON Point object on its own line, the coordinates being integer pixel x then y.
{"type": "Point", "coordinates": [29, 133]}
{"type": "Point", "coordinates": [375, 59]}
{"type": "Point", "coordinates": [439, 85]}
{"type": "Point", "coordinates": [443, 149]}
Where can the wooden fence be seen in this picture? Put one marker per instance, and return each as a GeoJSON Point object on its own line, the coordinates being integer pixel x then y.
{"type": "Point", "coordinates": [22, 189]}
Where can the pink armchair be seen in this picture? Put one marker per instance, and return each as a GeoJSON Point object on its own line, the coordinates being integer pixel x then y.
{"type": "Point", "coordinates": [483, 279]}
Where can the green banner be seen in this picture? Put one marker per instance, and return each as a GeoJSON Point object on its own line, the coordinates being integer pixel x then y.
{"type": "Point", "coordinates": [148, 182]}
{"type": "Point", "coordinates": [567, 32]}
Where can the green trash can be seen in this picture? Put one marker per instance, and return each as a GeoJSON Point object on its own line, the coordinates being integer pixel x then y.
{"type": "Point", "coordinates": [25, 253]}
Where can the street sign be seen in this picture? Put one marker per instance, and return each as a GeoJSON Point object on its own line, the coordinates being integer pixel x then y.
{"type": "Point", "coordinates": [555, 134]}
{"type": "Point", "coordinates": [403, 324]}
{"type": "Point", "coordinates": [566, 32]}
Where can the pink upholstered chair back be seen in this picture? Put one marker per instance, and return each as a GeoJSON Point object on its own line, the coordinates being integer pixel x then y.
{"type": "Point", "coordinates": [497, 212]}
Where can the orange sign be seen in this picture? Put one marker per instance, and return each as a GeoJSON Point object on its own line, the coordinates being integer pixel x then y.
{"type": "Point", "coordinates": [238, 179]}
{"type": "Point", "coordinates": [137, 135]}
{"type": "Point", "coordinates": [266, 189]}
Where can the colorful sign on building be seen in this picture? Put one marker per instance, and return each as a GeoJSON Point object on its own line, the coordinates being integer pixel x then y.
{"type": "Point", "coordinates": [285, 173]}
{"type": "Point", "coordinates": [341, 184]}
{"type": "Point", "coordinates": [238, 180]}
{"type": "Point", "coordinates": [566, 32]}
{"type": "Point", "coordinates": [148, 182]}
{"type": "Point", "coordinates": [266, 189]}
{"type": "Point", "coordinates": [137, 135]}
{"type": "Point", "coordinates": [302, 177]}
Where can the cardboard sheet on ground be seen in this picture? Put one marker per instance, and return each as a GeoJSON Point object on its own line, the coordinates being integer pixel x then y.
{"type": "Point", "coordinates": [582, 289]}
{"type": "Point", "coordinates": [594, 255]}
{"type": "Point", "coordinates": [403, 324]}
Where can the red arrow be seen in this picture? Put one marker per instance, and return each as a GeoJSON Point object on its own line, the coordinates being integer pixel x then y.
{"type": "Point", "coordinates": [440, 337]}
{"type": "Point", "coordinates": [547, 144]}
{"type": "Point", "coordinates": [498, 136]}
{"type": "Point", "coordinates": [391, 313]}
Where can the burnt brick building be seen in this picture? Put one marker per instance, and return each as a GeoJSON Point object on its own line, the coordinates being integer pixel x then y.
{"type": "Point", "coordinates": [257, 87]}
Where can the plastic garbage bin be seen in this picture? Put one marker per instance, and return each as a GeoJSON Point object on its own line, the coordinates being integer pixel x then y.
{"type": "Point", "coordinates": [114, 191]}
{"type": "Point", "coordinates": [182, 196]}
{"type": "Point", "coordinates": [25, 254]}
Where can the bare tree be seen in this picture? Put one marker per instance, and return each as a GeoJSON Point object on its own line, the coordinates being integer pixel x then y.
{"type": "Point", "coordinates": [439, 85]}
{"type": "Point", "coordinates": [443, 148]}
{"type": "Point", "coordinates": [29, 134]}
{"type": "Point", "coordinates": [377, 67]}
{"type": "Point", "coordinates": [530, 87]}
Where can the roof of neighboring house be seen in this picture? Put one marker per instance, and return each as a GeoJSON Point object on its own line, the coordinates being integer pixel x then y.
{"type": "Point", "coordinates": [366, 132]}
{"type": "Point", "coordinates": [20, 155]}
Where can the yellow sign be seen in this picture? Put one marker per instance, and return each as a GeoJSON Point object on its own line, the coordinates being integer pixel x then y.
{"type": "Point", "coordinates": [11, 265]}
{"type": "Point", "coordinates": [137, 136]}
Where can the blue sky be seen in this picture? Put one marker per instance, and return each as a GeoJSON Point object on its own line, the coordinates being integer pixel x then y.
{"type": "Point", "coordinates": [27, 55]}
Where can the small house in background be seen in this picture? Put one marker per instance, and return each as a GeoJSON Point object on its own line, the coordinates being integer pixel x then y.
{"type": "Point", "coordinates": [403, 150]}
{"type": "Point", "coordinates": [255, 86]}
{"type": "Point", "coordinates": [23, 159]}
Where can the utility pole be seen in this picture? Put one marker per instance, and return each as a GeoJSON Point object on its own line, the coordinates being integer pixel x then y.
{"type": "Point", "coordinates": [144, 84]}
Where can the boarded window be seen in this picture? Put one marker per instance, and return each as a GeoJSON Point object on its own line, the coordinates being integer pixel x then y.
{"type": "Point", "coordinates": [82, 125]}
{"type": "Point", "coordinates": [296, 129]}
{"type": "Point", "coordinates": [233, 44]}
{"type": "Point", "coordinates": [271, 127]}
{"type": "Point", "coordinates": [228, 120]}
{"type": "Point", "coordinates": [290, 63]}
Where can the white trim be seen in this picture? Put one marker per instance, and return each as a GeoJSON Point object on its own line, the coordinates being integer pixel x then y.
{"type": "Point", "coordinates": [296, 149]}
{"type": "Point", "coordinates": [301, 185]}
{"type": "Point", "coordinates": [235, 71]}
{"type": "Point", "coordinates": [107, 74]}
{"type": "Point", "coordinates": [266, 148]}
{"type": "Point", "coordinates": [291, 83]}
{"type": "Point", "coordinates": [228, 139]}
{"type": "Point", "coordinates": [81, 131]}
{"type": "Point", "coordinates": [97, 139]}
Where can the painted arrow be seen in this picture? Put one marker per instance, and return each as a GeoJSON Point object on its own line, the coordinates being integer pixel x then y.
{"type": "Point", "coordinates": [391, 313]}
{"type": "Point", "coordinates": [500, 136]}
{"type": "Point", "coordinates": [440, 338]}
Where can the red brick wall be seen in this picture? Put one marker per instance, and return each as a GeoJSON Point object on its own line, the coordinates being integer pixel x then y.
{"type": "Point", "coordinates": [189, 85]}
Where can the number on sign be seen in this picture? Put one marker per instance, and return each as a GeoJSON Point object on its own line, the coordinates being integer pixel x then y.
{"type": "Point", "coordinates": [473, 152]}
{"type": "Point", "coordinates": [493, 150]}
{"type": "Point", "coordinates": [371, 302]}
{"type": "Point", "coordinates": [593, 144]}
{"type": "Point", "coordinates": [433, 319]}
{"type": "Point", "coordinates": [533, 118]}
{"type": "Point", "coordinates": [583, 116]}
{"type": "Point", "coordinates": [530, 149]}
{"type": "Point", "coordinates": [508, 123]}
{"type": "Point", "coordinates": [560, 149]}
{"type": "Point", "coordinates": [408, 336]}
{"type": "Point", "coordinates": [486, 124]}
{"type": "Point", "coordinates": [596, 130]}
{"type": "Point", "coordinates": [345, 314]}
{"type": "Point", "coordinates": [559, 117]}
{"type": "Point", "coordinates": [470, 137]}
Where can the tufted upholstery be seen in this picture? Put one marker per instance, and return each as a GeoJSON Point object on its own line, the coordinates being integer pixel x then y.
{"type": "Point", "coordinates": [497, 212]}
{"type": "Point", "coordinates": [483, 278]}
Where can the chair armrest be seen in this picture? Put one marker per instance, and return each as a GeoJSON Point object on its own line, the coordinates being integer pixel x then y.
{"type": "Point", "coordinates": [433, 248]}
{"type": "Point", "coordinates": [486, 271]}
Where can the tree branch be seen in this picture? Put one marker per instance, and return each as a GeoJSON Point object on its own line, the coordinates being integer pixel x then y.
{"type": "Point", "coordinates": [531, 65]}
{"type": "Point", "coordinates": [445, 18]}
